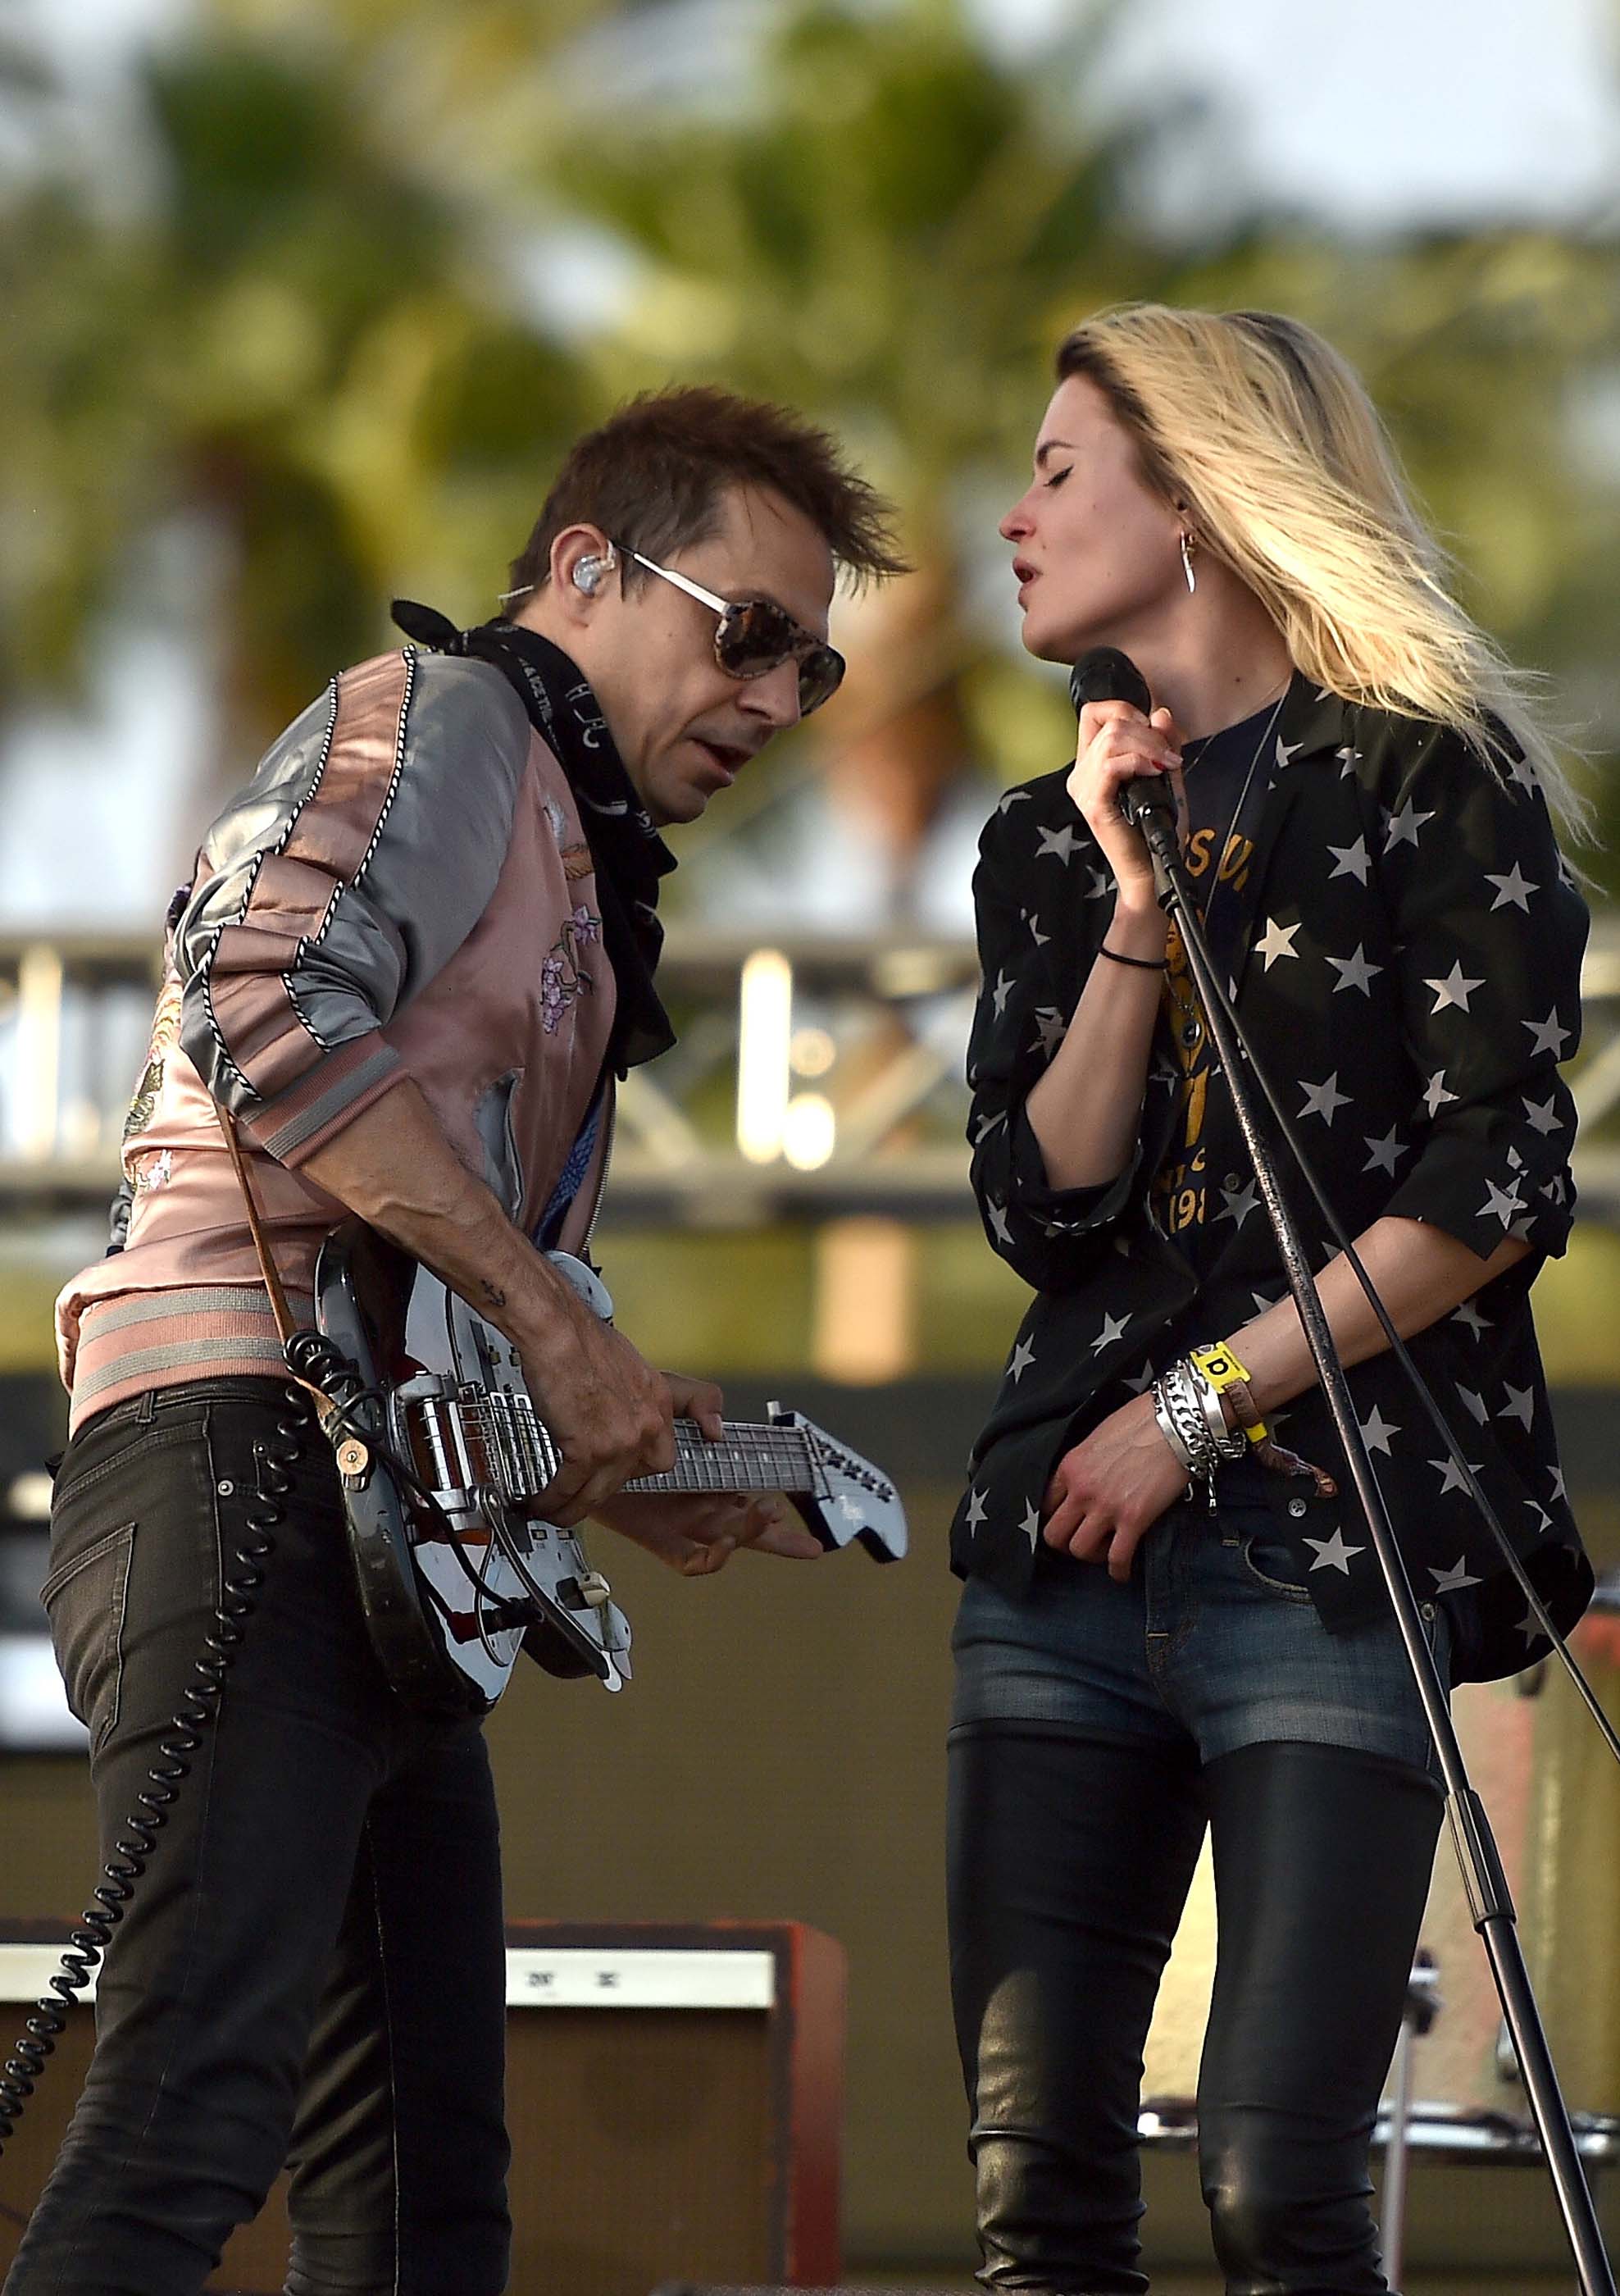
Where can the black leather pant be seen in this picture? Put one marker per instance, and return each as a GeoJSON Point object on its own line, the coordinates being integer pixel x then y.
{"type": "Point", "coordinates": [1070, 1865]}
{"type": "Point", "coordinates": [312, 1965]}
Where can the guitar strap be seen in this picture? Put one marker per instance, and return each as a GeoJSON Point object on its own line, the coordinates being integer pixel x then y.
{"type": "Point", "coordinates": [279, 1309]}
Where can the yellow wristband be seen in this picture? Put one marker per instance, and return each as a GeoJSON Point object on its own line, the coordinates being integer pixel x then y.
{"type": "Point", "coordinates": [1220, 1367]}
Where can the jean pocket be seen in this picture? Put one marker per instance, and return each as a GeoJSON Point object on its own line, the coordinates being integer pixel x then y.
{"type": "Point", "coordinates": [85, 1597]}
{"type": "Point", "coordinates": [1274, 1565]}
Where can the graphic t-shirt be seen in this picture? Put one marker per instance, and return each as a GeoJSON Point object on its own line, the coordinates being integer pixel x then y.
{"type": "Point", "coordinates": [1223, 781]}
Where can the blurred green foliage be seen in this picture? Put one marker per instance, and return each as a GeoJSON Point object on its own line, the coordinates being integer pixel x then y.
{"type": "Point", "coordinates": [310, 317]}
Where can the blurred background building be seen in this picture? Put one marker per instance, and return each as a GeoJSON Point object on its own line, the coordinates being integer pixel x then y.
{"type": "Point", "coordinates": [301, 299]}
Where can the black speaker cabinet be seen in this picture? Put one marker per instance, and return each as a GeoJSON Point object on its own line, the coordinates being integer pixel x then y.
{"type": "Point", "coordinates": [674, 2096]}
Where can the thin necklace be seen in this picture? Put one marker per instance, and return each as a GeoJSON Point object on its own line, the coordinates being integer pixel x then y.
{"type": "Point", "coordinates": [1236, 811]}
{"type": "Point", "coordinates": [1189, 1021]}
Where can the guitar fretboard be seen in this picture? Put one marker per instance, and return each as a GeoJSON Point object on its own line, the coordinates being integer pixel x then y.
{"type": "Point", "coordinates": [749, 1457]}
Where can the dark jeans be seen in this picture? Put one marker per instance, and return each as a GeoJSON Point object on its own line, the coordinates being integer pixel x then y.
{"type": "Point", "coordinates": [313, 1967]}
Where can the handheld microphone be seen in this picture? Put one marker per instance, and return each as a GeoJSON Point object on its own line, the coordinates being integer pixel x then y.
{"type": "Point", "coordinates": [1104, 673]}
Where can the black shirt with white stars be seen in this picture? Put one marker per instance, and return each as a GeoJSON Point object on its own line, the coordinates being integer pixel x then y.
{"type": "Point", "coordinates": [1404, 941]}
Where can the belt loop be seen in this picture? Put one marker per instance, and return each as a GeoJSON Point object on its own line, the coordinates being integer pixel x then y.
{"type": "Point", "coordinates": [149, 1405]}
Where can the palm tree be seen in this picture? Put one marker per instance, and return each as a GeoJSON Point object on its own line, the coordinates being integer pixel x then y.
{"type": "Point", "coordinates": [305, 338]}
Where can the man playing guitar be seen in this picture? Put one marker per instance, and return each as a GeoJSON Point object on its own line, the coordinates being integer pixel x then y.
{"type": "Point", "coordinates": [417, 949]}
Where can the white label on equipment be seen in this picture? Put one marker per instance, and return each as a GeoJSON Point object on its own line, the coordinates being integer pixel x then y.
{"type": "Point", "coordinates": [541, 1977]}
{"type": "Point", "coordinates": [638, 1976]}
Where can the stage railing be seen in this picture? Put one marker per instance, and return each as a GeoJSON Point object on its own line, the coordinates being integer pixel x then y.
{"type": "Point", "coordinates": [816, 1076]}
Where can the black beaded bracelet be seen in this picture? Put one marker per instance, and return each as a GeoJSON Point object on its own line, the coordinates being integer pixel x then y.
{"type": "Point", "coordinates": [1141, 963]}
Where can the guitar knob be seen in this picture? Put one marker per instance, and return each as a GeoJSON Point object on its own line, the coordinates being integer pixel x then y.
{"type": "Point", "coordinates": [595, 1589]}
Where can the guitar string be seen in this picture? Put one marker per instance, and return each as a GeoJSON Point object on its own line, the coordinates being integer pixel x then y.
{"type": "Point", "coordinates": [766, 1453]}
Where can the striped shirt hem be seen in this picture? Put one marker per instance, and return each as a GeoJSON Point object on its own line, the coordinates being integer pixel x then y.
{"type": "Point", "coordinates": [134, 1341]}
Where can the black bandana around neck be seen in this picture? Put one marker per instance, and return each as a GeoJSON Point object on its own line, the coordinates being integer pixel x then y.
{"type": "Point", "coordinates": [629, 854]}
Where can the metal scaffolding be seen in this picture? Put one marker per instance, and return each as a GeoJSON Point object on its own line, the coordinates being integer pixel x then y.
{"type": "Point", "coordinates": [815, 1078]}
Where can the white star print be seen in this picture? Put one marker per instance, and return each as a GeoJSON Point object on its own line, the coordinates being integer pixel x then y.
{"type": "Point", "coordinates": [1100, 883]}
{"type": "Point", "coordinates": [1530, 1626]}
{"type": "Point", "coordinates": [1503, 1201]}
{"type": "Point", "coordinates": [1476, 1404]}
{"type": "Point", "coordinates": [1140, 1382]}
{"type": "Point", "coordinates": [1377, 1430]}
{"type": "Point", "coordinates": [1019, 1363]}
{"type": "Point", "coordinates": [1542, 1114]}
{"type": "Point", "coordinates": [1332, 1554]}
{"type": "Point", "coordinates": [1543, 1521]}
{"type": "Point", "coordinates": [1035, 934]}
{"type": "Point", "coordinates": [1355, 972]}
{"type": "Point", "coordinates": [1285, 751]}
{"type": "Point", "coordinates": [1237, 1203]}
{"type": "Point", "coordinates": [1452, 1581]}
{"type": "Point", "coordinates": [1031, 1524]}
{"type": "Point", "coordinates": [1010, 799]}
{"type": "Point", "coordinates": [1001, 991]}
{"type": "Point", "coordinates": [1325, 1099]}
{"type": "Point", "coordinates": [988, 1127]}
{"type": "Point", "coordinates": [1384, 1151]}
{"type": "Point", "coordinates": [1548, 1037]}
{"type": "Point", "coordinates": [976, 1513]}
{"type": "Point", "coordinates": [1060, 843]}
{"type": "Point", "coordinates": [1451, 1474]}
{"type": "Point", "coordinates": [1468, 1314]}
{"type": "Point", "coordinates": [1347, 760]}
{"type": "Point", "coordinates": [1000, 1224]}
{"type": "Point", "coordinates": [1520, 1405]}
{"type": "Point", "coordinates": [1112, 1330]}
{"type": "Point", "coordinates": [1353, 861]}
{"type": "Point", "coordinates": [1513, 891]}
{"type": "Point", "coordinates": [1277, 942]}
{"type": "Point", "coordinates": [1436, 1094]}
{"type": "Point", "coordinates": [1456, 989]}
{"type": "Point", "coordinates": [1557, 1474]}
{"type": "Point", "coordinates": [1401, 828]}
{"type": "Point", "coordinates": [1050, 1028]}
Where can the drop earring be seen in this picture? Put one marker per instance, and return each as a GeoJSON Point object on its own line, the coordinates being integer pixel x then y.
{"type": "Point", "coordinates": [1188, 542]}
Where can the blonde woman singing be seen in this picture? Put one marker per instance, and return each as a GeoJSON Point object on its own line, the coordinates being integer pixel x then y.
{"type": "Point", "coordinates": [1170, 1621]}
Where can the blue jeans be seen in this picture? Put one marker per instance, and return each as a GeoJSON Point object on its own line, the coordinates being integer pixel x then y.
{"type": "Point", "coordinates": [1213, 1639]}
{"type": "Point", "coordinates": [1098, 1731]}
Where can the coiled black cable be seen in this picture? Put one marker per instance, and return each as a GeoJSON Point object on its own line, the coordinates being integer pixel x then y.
{"type": "Point", "coordinates": [238, 1589]}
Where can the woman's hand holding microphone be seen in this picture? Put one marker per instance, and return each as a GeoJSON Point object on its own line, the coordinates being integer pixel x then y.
{"type": "Point", "coordinates": [1116, 744]}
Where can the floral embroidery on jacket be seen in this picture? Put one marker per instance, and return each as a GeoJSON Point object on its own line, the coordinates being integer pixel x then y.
{"type": "Point", "coordinates": [563, 976]}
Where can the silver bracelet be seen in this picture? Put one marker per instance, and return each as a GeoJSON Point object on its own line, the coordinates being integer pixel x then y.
{"type": "Point", "coordinates": [1230, 1442]}
{"type": "Point", "coordinates": [1171, 1432]}
{"type": "Point", "coordinates": [1175, 1401]}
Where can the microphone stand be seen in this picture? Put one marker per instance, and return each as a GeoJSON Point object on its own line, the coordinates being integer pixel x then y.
{"type": "Point", "coordinates": [1489, 1900]}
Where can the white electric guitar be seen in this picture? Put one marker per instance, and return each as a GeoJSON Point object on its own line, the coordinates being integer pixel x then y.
{"type": "Point", "coordinates": [443, 1454]}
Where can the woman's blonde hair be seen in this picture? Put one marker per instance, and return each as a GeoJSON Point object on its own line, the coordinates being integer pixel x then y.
{"type": "Point", "coordinates": [1269, 439]}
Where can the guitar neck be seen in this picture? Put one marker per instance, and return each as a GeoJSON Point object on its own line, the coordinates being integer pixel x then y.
{"type": "Point", "coordinates": [749, 1457]}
